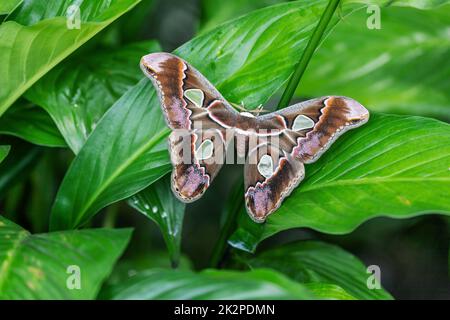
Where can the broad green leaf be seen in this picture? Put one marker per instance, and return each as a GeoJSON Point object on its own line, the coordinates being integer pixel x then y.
{"type": "Point", "coordinates": [393, 166]}
{"type": "Point", "coordinates": [4, 150]}
{"type": "Point", "coordinates": [209, 284]}
{"type": "Point", "coordinates": [34, 11]}
{"type": "Point", "coordinates": [32, 124]}
{"type": "Point", "coordinates": [132, 134]}
{"type": "Point", "coordinates": [328, 291]}
{"type": "Point", "coordinates": [239, 56]}
{"type": "Point", "coordinates": [37, 37]}
{"type": "Point", "coordinates": [39, 266]}
{"type": "Point", "coordinates": [422, 4]}
{"type": "Point", "coordinates": [6, 6]}
{"type": "Point", "coordinates": [317, 262]}
{"type": "Point", "coordinates": [215, 12]}
{"type": "Point", "coordinates": [401, 68]}
{"type": "Point", "coordinates": [124, 166]}
{"type": "Point", "coordinates": [158, 203]}
{"type": "Point", "coordinates": [78, 92]}
{"type": "Point", "coordinates": [232, 56]}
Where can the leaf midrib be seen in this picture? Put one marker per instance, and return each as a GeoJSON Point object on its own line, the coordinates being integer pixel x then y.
{"type": "Point", "coordinates": [28, 83]}
{"type": "Point", "coordinates": [152, 142]}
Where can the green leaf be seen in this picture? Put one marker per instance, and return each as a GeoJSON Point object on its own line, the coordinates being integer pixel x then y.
{"type": "Point", "coordinates": [32, 124]}
{"type": "Point", "coordinates": [215, 12]}
{"type": "Point", "coordinates": [38, 39]}
{"type": "Point", "coordinates": [328, 291]}
{"type": "Point", "coordinates": [158, 203]}
{"type": "Point", "coordinates": [4, 150]}
{"type": "Point", "coordinates": [209, 284]}
{"type": "Point", "coordinates": [421, 4]}
{"type": "Point", "coordinates": [78, 92]}
{"type": "Point", "coordinates": [36, 266]}
{"type": "Point", "coordinates": [132, 134]}
{"type": "Point", "coordinates": [124, 166]}
{"type": "Point", "coordinates": [6, 6]}
{"type": "Point", "coordinates": [317, 262]}
{"type": "Point", "coordinates": [393, 166]}
{"type": "Point", "coordinates": [410, 77]}
{"type": "Point", "coordinates": [34, 11]}
{"type": "Point", "coordinates": [239, 56]}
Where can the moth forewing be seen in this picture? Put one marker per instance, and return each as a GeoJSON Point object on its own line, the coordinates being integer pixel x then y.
{"type": "Point", "coordinates": [273, 146]}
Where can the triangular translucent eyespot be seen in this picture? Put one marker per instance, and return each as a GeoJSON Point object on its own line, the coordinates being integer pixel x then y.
{"type": "Point", "coordinates": [302, 122]}
{"type": "Point", "coordinates": [205, 150]}
{"type": "Point", "coordinates": [196, 96]}
{"type": "Point", "coordinates": [265, 166]}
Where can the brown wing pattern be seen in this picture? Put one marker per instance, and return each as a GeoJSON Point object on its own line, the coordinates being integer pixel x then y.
{"type": "Point", "coordinates": [338, 115]}
{"type": "Point", "coordinates": [185, 96]}
{"type": "Point", "coordinates": [316, 123]}
{"type": "Point", "coordinates": [310, 128]}
{"type": "Point", "coordinates": [270, 176]}
{"type": "Point", "coordinates": [184, 92]}
{"type": "Point", "coordinates": [197, 158]}
{"type": "Point", "coordinates": [285, 139]}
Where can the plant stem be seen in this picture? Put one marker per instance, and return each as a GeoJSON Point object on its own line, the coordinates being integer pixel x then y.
{"type": "Point", "coordinates": [307, 54]}
{"type": "Point", "coordinates": [111, 215]}
{"type": "Point", "coordinates": [175, 261]}
{"type": "Point", "coordinates": [231, 220]}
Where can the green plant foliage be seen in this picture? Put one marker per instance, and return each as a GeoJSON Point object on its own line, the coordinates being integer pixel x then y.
{"type": "Point", "coordinates": [39, 27]}
{"type": "Point", "coordinates": [124, 140]}
{"type": "Point", "coordinates": [239, 56]}
{"type": "Point", "coordinates": [421, 4]}
{"type": "Point", "coordinates": [32, 124]}
{"type": "Point", "coordinates": [35, 266]}
{"type": "Point", "coordinates": [328, 291]}
{"type": "Point", "coordinates": [6, 6]}
{"type": "Point", "coordinates": [393, 166]}
{"type": "Point", "coordinates": [158, 203]}
{"type": "Point", "coordinates": [41, 186]}
{"type": "Point", "coordinates": [77, 97]}
{"type": "Point", "coordinates": [4, 150]}
{"type": "Point", "coordinates": [81, 129]}
{"type": "Point", "coordinates": [365, 65]}
{"type": "Point", "coordinates": [216, 12]}
{"type": "Point", "coordinates": [313, 262]}
{"type": "Point", "coordinates": [208, 284]}
{"type": "Point", "coordinates": [126, 164]}
{"type": "Point", "coordinates": [21, 159]}
{"type": "Point", "coordinates": [130, 267]}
